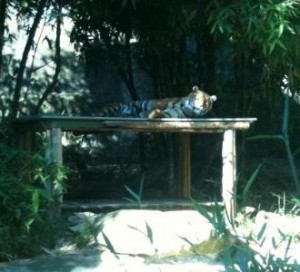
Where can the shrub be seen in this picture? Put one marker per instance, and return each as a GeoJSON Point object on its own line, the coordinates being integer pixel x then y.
{"type": "Point", "coordinates": [24, 203]}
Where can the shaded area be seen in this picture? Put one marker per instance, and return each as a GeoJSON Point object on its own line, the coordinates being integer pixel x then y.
{"type": "Point", "coordinates": [101, 171]}
{"type": "Point", "coordinates": [66, 263]}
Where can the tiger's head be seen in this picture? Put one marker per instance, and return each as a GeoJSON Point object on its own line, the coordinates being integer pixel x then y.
{"type": "Point", "coordinates": [199, 102]}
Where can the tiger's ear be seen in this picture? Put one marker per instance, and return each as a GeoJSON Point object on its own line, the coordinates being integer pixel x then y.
{"type": "Point", "coordinates": [213, 97]}
{"type": "Point", "coordinates": [195, 88]}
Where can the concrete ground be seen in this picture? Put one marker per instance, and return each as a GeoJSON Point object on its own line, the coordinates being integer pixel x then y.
{"type": "Point", "coordinates": [106, 263]}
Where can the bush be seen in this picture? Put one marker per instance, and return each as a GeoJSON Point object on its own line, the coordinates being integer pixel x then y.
{"type": "Point", "coordinates": [24, 217]}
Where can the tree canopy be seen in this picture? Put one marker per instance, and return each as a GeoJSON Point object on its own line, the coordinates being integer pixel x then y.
{"type": "Point", "coordinates": [239, 48]}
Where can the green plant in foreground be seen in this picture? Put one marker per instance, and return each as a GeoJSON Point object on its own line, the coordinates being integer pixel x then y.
{"type": "Point", "coordinates": [88, 232]}
{"type": "Point", "coordinates": [24, 201]}
{"type": "Point", "coordinates": [238, 253]}
{"type": "Point", "coordinates": [92, 227]}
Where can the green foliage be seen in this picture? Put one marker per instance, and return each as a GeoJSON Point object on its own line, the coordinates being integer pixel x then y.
{"type": "Point", "coordinates": [215, 217]}
{"type": "Point", "coordinates": [136, 198]}
{"type": "Point", "coordinates": [285, 138]}
{"type": "Point", "coordinates": [270, 25]}
{"type": "Point", "coordinates": [104, 29]}
{"type": "Point", "coordinates": [263, 39]}
{"type": "Point", "coordinates": [37, 83]}
{"type": "Point", "coordinates": [24, 202]}
{"type": "Point", "coordinates": [245, 193]}
{"type": "Point", "coordinates": [83, 238]}
{"type": "Point", "coordinates": [237, 253]}
{"type": "Point", "coordinates": [88, 232]}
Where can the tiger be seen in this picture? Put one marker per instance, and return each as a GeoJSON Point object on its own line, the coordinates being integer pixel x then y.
{"type": "Point", "coordinates": [194, 105]}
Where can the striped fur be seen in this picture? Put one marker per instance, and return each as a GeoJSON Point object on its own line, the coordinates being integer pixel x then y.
{"type": "Point", "coordinates": [194, 105]}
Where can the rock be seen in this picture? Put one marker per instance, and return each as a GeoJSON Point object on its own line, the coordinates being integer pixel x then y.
{"type": "Point", "coordinates": [146, 240]}
{"type": "Point", "coordinates": [133, 264]}
{"type": "Point", "coordinates": [275, 233]}
{"type": "Point", "coordinates": [152, 232]}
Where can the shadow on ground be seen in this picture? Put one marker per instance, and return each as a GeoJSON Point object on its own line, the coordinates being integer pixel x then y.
{"type": "Point", "coordinates": [66, 263]}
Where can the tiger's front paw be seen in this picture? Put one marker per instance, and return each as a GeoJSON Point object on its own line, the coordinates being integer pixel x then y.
{"type": "Point", "coordinates": [155, 113]}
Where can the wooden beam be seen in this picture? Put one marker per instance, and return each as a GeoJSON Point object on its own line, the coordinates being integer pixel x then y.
{"type": "Point", "coordinates": [98, 124]}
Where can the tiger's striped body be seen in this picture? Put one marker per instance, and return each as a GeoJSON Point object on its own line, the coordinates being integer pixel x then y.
{"type": "Point", "coordinates": [193, 105]}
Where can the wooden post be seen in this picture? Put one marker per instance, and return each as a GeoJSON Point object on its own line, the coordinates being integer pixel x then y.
{"type": "Point", "coordinates": [184, 165]}
{"type": "Point", "coordinates": [54, 157]}
{"type": "Point", "coordinates": [229, 174]}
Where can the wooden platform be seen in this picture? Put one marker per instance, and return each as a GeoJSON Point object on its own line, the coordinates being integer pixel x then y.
{"type": "Point", "coordinates": [55, 125]}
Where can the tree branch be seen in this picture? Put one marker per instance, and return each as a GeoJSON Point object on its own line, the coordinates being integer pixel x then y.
{"type": "Point", "coordinates": [54, 82]}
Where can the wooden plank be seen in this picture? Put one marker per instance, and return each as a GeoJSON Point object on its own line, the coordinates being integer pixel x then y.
{"type": "Point", "coordinates": [53, 118]}
{"type": "Point", "coordinates": [96, 124]}
{"type": "Point", "coordinates": [229, 174]}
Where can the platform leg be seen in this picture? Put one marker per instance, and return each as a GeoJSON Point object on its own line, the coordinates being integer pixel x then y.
{"type": "Point", "coordinates": [229, 174]}
{"type": "Point", "coordinates": [184, 165]}
{"type": "Point", "coordinates": [54, 159]}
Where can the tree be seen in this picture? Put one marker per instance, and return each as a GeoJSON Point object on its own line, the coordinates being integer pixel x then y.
{"type": "Point", "coordinates": [262, 34]}
{"type": "Point", "coordinates": [162, 31]}
{"type": "Point", "coordinates": [2, 30]}
{"type": "Point", "coordinates": [21, 70]}
{"type": "Point", "coordinates": [16, 75]}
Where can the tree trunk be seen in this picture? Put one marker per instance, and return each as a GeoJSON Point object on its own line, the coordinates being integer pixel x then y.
{"type": "Point", "coordinates": [3, 5]}
{"type": "Point", "coordinates": [130, 77]}
{"type": "Point", "coordinates": [19, 79]}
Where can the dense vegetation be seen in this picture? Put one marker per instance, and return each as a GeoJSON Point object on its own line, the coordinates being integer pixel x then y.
{"type": "Point", "coordinates": [243, 51]}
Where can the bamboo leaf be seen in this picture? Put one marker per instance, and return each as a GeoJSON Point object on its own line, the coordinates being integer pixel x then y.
{"type": "Point", "coordinates": [280, 29]}
{"type": "Point", "coordinates": [285, 115]}
{"type": "Point", "coordinates": [35, 201]}
{"type": "Point", "coordinates": [132, 193]}
{"type": "Point", "coordinates": [272, 47]}
{"type": "Point", "coordinates": [108, 244]}
{"type": "Point", "coordinates": [274, 244]}
{"type": "Point", "coordinates": [202, 211]}
{"type": "Point", "coordinates": [141, 187]}
{"type": "Point", "coordinates": [266, 137]}
{"type": "Point", "coordinates": [250, 183]}
{"type": "Point", "coordinates": [288, 246]}
{"type": "Point", "coordinates": [280, 43]}
{"type": "Point", "coordinates": [296, 201]}
{"type": "Point", "coordinates": [262, 231]}
{"type": "Point", "coordinates": [149, 233]}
